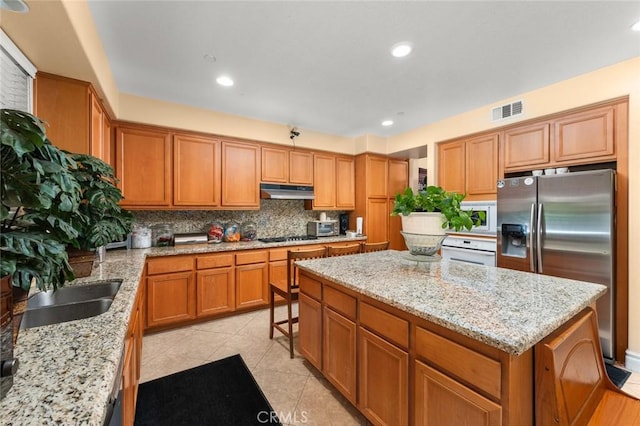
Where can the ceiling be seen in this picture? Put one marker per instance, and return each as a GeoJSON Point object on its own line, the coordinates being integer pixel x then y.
{"type": "Point", "coordinates": [326, 65]}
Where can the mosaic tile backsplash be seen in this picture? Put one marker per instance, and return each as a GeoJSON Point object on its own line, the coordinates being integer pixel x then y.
{"type": "Point", "coordinates": [275, 218]}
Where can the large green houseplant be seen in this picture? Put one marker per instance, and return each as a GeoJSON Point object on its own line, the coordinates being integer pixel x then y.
{"type": "Point", "coordinates": [436, 199]}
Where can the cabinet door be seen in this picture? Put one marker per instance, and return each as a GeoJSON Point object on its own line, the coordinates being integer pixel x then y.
{"type": "Point", "coordinates": [451, 166]}
{"type": "Point", "coordinates": [377, 177]}
{"type": "Point", "coordinates": [170, 298]}
{"type": "Point", "coordinates": [526, 147]}
{"type": "Point", "coordinates": [345, 183]}
{"type": "Point", "coordinates": [324, 181]}
{"type": "Point", "coordinates": [143, 164]}
{"type": "Point", "coordinates": [396, 240]}
{"type": "Point", "coordinates": [96, 132]}
{"type": "Point", "coordinates": [300, 168]}
{"type": "Point", "coordinates": [376, 221]}
{"type": "Point", "coordinates": [215, 291]}
{"type": "Point", "coordinates": [398, 177]}
{"type": "Point", "coordinates": [481, 159]}
{"type": "Point", "coordinates": [107, 141]}
{"type": "Point", "coordinates": [196, 171]}
{"type": "Point", "coordinates": [585, 135]}
{"type": "Point", "coordinates": [339, 353]}
{"type": "Point", "coordinates": [240, 175]}
{"type": "Point", "coordinates": [275, 165]}
{"type": "Point", "coordinates": [251, 285]}
{"type": "Point", "coordinates": [128, 383]}
{"type": "Point", "coordinates": [434, 390]}
{"type": "Point", "coordinates": [310, 330]}
{"type": "Point", "coordinates": [383, 380]}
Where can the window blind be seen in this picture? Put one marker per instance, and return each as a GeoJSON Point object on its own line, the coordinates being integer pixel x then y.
{"type": "Point", "coordinates": [16, 77]}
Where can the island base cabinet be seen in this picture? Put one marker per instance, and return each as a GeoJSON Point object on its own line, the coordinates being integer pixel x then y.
{"type": "Point", "coordinates": [131, 361]}
{"type": "Point", "coordinates": [434, 390]}
{"type": "Point", "coordinates": [383, 380]}
{"type": "Point", "coordinates": [310, 330]}
{"type": "Point", "coordinates": [170, 298]}
{"type": "Point", "coordinates": [339, 353]}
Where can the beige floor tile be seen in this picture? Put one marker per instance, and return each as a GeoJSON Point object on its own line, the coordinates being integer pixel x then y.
{"type": "Point", "coordinates": [632, 385]}
{"type": "Point", "coordinates": [157, 343]}
{"type": "Point", "coordinates": [282, 390]}
{"type": "Point", "coordinates": [226, 325]}
{"type": "Point", "coordinates": [277, 359]}
{"type": "Point", "coordinates": [166, 364]}
{"type": "Point", "coordinates": [199, 345]}
{"type": "Point", "coordinates": [251, 348]}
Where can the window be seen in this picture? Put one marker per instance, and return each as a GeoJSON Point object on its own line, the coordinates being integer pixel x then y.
{"type": "Point", "coordinates": [16, 77]}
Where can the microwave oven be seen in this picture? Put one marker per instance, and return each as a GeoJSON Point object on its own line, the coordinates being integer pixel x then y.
{"type": "Point", "coordinates": [323, 228]}
{"type": "Point", "coordinates": [488, 225]}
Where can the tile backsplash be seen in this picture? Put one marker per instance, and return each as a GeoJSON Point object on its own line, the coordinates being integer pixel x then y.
{"type": "Point", "coordinates": [275, 218]}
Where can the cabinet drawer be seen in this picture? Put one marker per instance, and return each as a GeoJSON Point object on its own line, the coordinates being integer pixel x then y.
{"type": "Point", "coordinates": [462, 362]}
{"type": "Point", "coordinates": [215, 261]}
{"type": "Point", "coordinates": [168, 264]}
{"type": "Point", "coordinates": [388, 325]}
{"type": "Point", "coordinates": [249, 257]}
{"type": "Point", "coordinates": [278, 254]}
{"type": "Point", "coordinates": [340, 302]}
{"type": "Point", "coordinates": [310, 287]}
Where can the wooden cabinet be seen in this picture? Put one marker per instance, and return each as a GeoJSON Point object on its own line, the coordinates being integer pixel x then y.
{"type": "Point", "coordinates": [74, 115]}
{"type": "Point", "coordinates": [281, 165]}
{"type": "Point", "coordinates": [469, 166]}
{"type": "Point", "coordinates": [378, 180]}
{"type": "Point", "coordinates": [143, 165]}
{"type": "Point", "coordinates": [309, 330]}
{"type": "Point", "coordinates": [240, 182]}
{"type": "Point", "coordinates": [435, 390]}
{"type": "Point", "coordinates": [333, 183]}
{"type": "Point", "coordinates": [526, 146]}
{"type": "Point", "coordinates": [252, 275]}
{"type": "Point", "coordinates": [588, 134]}
{"type": "Point", "coordinates": [196, 171]}
{"type": "Point", "coordinates": [132, 360]}
{"type": "Point", "coordinates": [215, 284]}
{"type": "Point", "coordinates": [170, 296]}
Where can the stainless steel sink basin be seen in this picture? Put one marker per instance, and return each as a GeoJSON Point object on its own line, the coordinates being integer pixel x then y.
{"type": "Point", "coordinates": [69, 303]}
{"type": "Point", "coordinates": [66, 295]}
{"type": "Point", "coordinates": [62, 313]}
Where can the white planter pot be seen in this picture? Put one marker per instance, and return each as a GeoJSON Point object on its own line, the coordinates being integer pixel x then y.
{"type": "Point", "coordinates": [424, 223]}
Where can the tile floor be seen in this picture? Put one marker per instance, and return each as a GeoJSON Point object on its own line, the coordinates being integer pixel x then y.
{"type": "Point", "coordinates": [295, 389]}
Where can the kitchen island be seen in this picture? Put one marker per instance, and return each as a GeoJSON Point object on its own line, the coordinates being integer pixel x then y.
{"type": "Point", "coordinates": [431, 343]}
{"type": "Point", "coordinates": [68, 371]}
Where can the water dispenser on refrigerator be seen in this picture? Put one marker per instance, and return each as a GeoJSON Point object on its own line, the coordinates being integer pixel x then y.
{"type": "Point", "coordinates": [514, 240]}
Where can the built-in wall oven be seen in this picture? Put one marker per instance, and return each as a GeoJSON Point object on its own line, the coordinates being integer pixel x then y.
{"type": "Point", "coordinates": [480, 251]}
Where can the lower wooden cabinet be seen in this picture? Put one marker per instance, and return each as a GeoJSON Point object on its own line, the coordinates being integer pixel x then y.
{"type": "Point", "coordinates": [252, 279]}
{"type": "Point", "coordinates": [131, 361]}
{"type": "Point", "coordinates": [309, 330]}
{"type": "Point", "coordinates": [383, 380]}
{"type": "Point", "coordinates": [434, 390]}
{"type": "Point", "coordinates": [339, 353]}
{"type": "Point", "coordinates": [170, 298]}
{"type": "Point", "coordinates": [215, 291]}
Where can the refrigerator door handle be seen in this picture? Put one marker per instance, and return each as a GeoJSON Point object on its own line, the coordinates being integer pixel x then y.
{"type": "Point", "coordinates": [532, 215]}
{"type": "Point", "coordinates": [539, 238]}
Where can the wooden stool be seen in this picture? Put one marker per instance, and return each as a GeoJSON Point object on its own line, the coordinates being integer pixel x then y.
{"type": "Point", "coordinates": [369, 247]}
{"type": "Point", "coordinates": [343, 250]}
{"type": "Point", "coordinates": [289, 290]}
{"type": "Point", "coordinates": [572, 386]}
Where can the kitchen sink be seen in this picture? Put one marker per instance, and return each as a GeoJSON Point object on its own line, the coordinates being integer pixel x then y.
{"type": "Point", "coordinates": [69, 303]}
{"type": "Point", "coordinates": [56, 314]}
{"type": "Point", "coordinates": [66, 295]}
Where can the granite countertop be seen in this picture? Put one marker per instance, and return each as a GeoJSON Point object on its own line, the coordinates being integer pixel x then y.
{"type": "Point", "coordinates": [509, 310]}
{"type": "Point", "coordinates": [67, 370]}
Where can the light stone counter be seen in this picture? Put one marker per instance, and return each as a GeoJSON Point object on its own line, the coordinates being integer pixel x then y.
{"type": "Point", "coordinates": [509, 310]}
{"type": "Point", "coordinates": [67, 370]}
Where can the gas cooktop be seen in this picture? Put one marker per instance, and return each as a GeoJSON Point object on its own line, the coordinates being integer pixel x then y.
{"type": "Point", "coordinates": [289, 238]}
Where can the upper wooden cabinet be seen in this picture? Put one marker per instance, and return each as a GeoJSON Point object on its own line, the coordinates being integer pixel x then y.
{"type": "Point", "coordinates": [333, 183]}
{"type": "Point", "coordinates": [469, 166]}
{"type": "Point", "coordinates": [282, 165]}
{"type": "Point", "coordinates": [526, 146]}
{"type": "Point", "coordinates": [398, 177]}
{"type": "Point", "coordinates": [240, 175]}
{"type": "Point", "coordinates": [196, 171]}
{"type": "Point", "coordinates": [143, 165]}
{"type": "Point", "coordinates": [74, 115]}
{"type": "Point", "coordinates": [585, 135]}
{"type": "Point", "coordinates": [377, 180]}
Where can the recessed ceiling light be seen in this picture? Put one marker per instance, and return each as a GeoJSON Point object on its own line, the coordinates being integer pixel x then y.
{"type": "Point", "coordinates": [387, 123]}
{"type": "Point", "coordinates": [402, 49]}
{"type": "Point", "coordinates": [14, 5]}
{"type": "Point", "coordinates": [224, 80]}
{"type": "Point", "coordinates": [636, 26]}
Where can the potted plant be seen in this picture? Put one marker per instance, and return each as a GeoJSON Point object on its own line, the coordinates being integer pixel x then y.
{"type": "Point", "coordinates": [37, 187]}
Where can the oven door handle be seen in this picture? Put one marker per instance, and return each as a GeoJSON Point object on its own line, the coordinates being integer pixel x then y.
{"type": "Point", "coordinates": [465, 250]}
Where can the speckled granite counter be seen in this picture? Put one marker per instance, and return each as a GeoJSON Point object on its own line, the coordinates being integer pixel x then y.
{"type": "Point", "coordinates": [67, 370]}
{"type": "Point", "coordinates": [506, 309]}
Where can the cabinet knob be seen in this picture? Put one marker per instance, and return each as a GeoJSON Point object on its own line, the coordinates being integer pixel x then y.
{"type": "Point", "coordinates": [9, 367]}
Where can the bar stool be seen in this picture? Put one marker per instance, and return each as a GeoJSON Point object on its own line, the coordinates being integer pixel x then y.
{"type": "Point", "coordinates": [343, 250]}
{"type": "Point", "coordinates": [289, 290]}
{"type": "Point", "coordinates": [369, 247]}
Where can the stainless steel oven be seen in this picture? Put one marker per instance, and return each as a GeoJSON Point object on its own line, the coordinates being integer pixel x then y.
{"type": "Point", "coordinates": [480, 251]}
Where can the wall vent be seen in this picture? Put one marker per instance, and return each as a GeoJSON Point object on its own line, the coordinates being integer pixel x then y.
{"type": "Point", "coordinates": [506, 111]}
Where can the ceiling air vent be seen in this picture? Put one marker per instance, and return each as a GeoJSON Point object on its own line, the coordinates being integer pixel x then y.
{"type": "Point", "coordinates": [506, 111]}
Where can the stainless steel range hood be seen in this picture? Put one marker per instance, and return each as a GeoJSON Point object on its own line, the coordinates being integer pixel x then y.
{"type": "Point", "coordinates": [286, 192]}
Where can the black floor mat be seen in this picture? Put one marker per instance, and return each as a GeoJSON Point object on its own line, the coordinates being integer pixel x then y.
{"type": "Point", "coordinates": [617, 375]}
{"type": "Point", "coordinates": [219, 393]}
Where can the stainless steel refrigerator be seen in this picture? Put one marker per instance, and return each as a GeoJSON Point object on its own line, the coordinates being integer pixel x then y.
{"type": "Point", "coordinates": [563, 225]}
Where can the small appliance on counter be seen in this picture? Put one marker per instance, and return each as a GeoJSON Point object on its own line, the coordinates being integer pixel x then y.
{"type": "Point", "coordinates": [190, 238]}
{"type": "Point", "coordinates": [323, 228]}
{"type": "Point", "coordinates": [344, 223]}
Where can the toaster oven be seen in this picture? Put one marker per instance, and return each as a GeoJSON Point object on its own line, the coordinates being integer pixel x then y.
{"type": "Point", "coordinates": [323, 228]}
